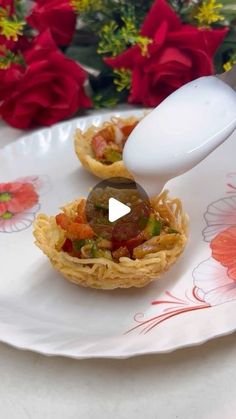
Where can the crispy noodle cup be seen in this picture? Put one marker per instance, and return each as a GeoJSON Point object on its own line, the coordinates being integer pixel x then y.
{"type": "Point", "coordinates": [83, 149]}
{"type": "Point", "coordinates": [103, 273]}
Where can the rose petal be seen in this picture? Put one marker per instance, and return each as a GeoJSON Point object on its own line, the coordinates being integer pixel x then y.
{"type": "Point", "coordinates": [160, 34]}
{"type": "Point", "coordinates": [159, 12]}
{"type": "Point", "coordinates": [213, 38]}
{"type": "Point", "coordinates": [56, 15]}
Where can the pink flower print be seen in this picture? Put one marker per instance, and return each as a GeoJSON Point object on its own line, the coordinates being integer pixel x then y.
{"type": "Point", "coordinates": [219, 216]}
{"type": "Point", "coordinates": [223, 248]}
{"type": "Point", "coordinates": [215, 278]}
{"type": "Point", "coordinates": [16, 197]}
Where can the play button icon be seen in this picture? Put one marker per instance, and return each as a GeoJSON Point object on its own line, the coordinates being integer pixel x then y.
{"type": "Point", "coordinates": [117, 210]}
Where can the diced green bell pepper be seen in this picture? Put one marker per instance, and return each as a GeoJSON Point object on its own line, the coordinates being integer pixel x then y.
{"type": "Point", "coordinates": [112, 156]}
{"type": "Point", "coordinates": [101, 253]}
{"type": "Point", "coordinates": [154, 226]}
{"type": "Point", "coordinates": [172, 231]}
{"type": "Point", "coordinates": [78, 244]}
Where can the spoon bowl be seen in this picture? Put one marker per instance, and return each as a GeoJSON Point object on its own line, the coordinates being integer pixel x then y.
{"type": "Point", "coordinates": [182, 131]}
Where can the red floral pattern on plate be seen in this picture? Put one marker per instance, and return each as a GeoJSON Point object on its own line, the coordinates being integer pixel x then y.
{"type": "Point", "coordinates": [168, 308]}
{"type": "Point", "coordinates": [214, 279]}
{"type": "Point", "coordinates": [19, 202]}
{"type": "Point", "coordinates": [224, 250]}
{"type": "Point", "coordinates": [16, 197]}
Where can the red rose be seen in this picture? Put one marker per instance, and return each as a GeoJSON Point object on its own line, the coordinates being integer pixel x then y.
{"type": "Point", "coordinates": [178, 54]}
{"type": "Point", "coordinates": [56, 15]}
{"type": "Point", "coordinates": [47, 90]}
{"type": "Point", "coordinates": [9, 79]}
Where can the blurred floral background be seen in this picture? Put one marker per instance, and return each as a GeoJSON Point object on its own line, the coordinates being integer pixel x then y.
{"type": "Point", "coordinates": [60, 57]}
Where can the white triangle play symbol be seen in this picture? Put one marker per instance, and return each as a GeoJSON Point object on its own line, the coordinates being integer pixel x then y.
{"type": "Point", "coordinates": [117, 210]}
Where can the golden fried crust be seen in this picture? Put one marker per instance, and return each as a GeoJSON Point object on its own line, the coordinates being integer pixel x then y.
{"type": "Point", "coordinates": [83, 149]}
{"type": "Point", "coordinates": [105, 274]}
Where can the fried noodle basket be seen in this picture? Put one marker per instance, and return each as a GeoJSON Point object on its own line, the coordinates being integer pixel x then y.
{"type": "Point", "coordinates": [104, 274]}
{"type": "Point", "coordinates": [83, 149]}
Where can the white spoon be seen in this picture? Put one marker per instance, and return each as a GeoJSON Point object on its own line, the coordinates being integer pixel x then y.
{"type": "Point", "coordinates": [181, 131]}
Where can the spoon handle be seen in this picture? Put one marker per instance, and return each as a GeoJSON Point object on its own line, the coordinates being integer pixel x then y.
{"type": "Point", "coordinates": [229, 77]}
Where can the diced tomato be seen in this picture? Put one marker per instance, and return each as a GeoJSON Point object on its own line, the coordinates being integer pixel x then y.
{"type": "Point", "coordinates": [75, 230]}
{"type": "Point", "coordinates": [134, 242]}
{"type": "Point", "coordinates": [99, 145]}
{"type": "Point", "coordinates": [67, 246]}
{"type": "Point", "coordinates": [129, 244]}
{"type": "Point", "coordinates": [81, 217]}
{"type": "Point", "coordinates": [108, 133]}
{"type": "Point", "coordinates": [62, 220]}
{"type": "Point", "coordinates": [78, 231]}
{"type": "Point", "coordinates": [127, 129]}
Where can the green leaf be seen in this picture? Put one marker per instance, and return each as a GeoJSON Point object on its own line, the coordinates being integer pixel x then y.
{"type": "Point", "coordinates": [172, 231]}
{"type": "Point", "coordinates": [78, 244]}
{"type": "Point", "coordinates": [100, 101]}
{"type": "Point", "coordinates": [107, 96]}
{"type": "Point", "coordinates": [112, 156]}
{"type": "Point", "coordinates": [225, 51]}
{"type": "Point", "coordinates": [87, 56]}
{"type": "Point", "coordinates": [230, 3]}
{"type": "Point", "coordinates": [20, 9]}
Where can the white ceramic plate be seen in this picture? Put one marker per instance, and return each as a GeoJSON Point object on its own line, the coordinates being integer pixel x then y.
{"type": "Point", "coordinates": [40, 311]}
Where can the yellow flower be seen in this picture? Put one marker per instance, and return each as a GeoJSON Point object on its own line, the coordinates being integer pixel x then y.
{"type": "Point", "coordinates": [143, 42]}
{"type": "Point", "coordinates": [110, 43]}
{"type": "Point", "coordinates": [86, 5]}
{"type": "Point", "coordinates": [229, 64]}
{"type": "Point", "coordinates": [11, 29]}
{"type": "Point", "coordinates": [123, 79]}
{"type": "Point", "coordinates": [209, 12]}
{"type": "Point", "coordinates": [130, 35]}
{"type": "Point", "coordinates": [114, 40]}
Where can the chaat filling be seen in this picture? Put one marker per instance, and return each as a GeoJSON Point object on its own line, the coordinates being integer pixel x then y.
{"type": "Point", "coordinates": [108, 143]}
{"type": "Point", "coordinates": [80, 241]}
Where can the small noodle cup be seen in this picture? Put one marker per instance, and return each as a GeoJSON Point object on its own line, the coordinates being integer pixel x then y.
{"type": "Point", "coordinates": [84, 151]}
{"type": "Point", "coordinates": [102, 273]}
